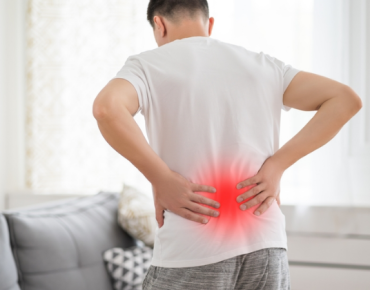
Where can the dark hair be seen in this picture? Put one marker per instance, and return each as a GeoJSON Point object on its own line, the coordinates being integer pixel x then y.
{"type": "Point", "coordinates": [171, 8]}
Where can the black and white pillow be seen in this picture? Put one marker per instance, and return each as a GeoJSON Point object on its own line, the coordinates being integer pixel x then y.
{"type": "Point", "coordinates": [128, 267]}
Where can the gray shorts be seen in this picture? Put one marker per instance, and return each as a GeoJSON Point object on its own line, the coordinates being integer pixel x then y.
{"type": "Point", "coordinates": [266, 269]}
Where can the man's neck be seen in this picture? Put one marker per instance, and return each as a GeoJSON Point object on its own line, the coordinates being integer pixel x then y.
{"type": "Point", "coordinates": [188, 29]}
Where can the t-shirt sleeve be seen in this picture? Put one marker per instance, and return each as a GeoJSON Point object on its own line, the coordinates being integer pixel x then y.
{"type": "Point", "coordinates": [133, 72]}
{"type": "Point", "coordinates": [287, 72]}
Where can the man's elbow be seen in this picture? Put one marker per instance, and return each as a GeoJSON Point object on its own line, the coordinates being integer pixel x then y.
{"type": "Point", "coordinates": [354, 101]}
{"type": "Point", "coordinates": [100, 110]}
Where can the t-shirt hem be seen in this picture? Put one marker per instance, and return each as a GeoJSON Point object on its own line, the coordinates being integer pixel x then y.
{"type": "Point", "coordinates": [219, 257]}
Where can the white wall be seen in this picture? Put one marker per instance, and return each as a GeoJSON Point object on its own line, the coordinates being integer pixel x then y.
{"type": "Point", "coordinates": [12, 87]}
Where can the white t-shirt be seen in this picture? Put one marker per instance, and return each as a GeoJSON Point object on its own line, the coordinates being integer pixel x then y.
{"type": "Point", "coordinates": [212, 113]}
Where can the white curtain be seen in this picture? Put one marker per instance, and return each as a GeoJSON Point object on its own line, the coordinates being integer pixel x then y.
{"type": "Point", "coordinates": [342, 52]}
{"type": "Point", "coordinates": [76, 47]}
{"type": "Point", "coordinates": [73, 49]}
{"type": "Point", "coordinates": [338, 173]}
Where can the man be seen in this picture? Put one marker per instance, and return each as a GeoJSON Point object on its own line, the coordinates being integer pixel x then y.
{"type": "Point", "coordinates": [212, 113]}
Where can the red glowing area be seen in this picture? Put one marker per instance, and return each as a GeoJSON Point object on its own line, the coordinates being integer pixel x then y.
{"type": "Point", "coordinates": [232, 223]}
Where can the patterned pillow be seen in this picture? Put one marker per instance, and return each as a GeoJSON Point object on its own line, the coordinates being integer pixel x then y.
{"type": "Point", "coordinates": [136, 215]}
{"type": "Point", "coordinates": [128, 267]}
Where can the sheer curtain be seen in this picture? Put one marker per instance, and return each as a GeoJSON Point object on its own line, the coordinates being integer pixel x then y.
{"type": "Point", "coordinates": [337, 173]}
{"type": "Point", "coordinates": [341, 169]}
{"type": "Point", "coordinates": [73, 49]}
{"type": "Point", "coordinates": [76, 47]}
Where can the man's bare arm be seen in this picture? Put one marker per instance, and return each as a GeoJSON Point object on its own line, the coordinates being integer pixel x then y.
{"type": "Point", "coordinates": [113, 109]}
{"type": "Point", "coordinates": [335, 103]}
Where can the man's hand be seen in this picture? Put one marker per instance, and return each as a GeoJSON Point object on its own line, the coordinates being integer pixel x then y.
{"type": "Point", "coordinates": [176, 193]}
{"type": "Point", "coordinates": [267, 187]}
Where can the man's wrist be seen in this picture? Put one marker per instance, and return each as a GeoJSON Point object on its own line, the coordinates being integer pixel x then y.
{"type": "Point", "coordinates": [280, 161]}
{"type": "Point", "coordinates": [158, 174]}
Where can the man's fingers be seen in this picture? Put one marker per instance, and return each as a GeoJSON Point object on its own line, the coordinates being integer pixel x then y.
{"type": "Point", "coordinates": [201, 187]}
{"type": "Point", "coordinates": [204, 200]}
{"type": "Point", "coordinates": [197, 208]}
{"type": "Point", "coordinates": [251, 192]}
{"type": "Point", "coordinates": [264, 206]}
{"type": "Point", "coordinates": [189, 215]}
{"type": "Point", "coordinates": [249, 181]}
{"type": "Point", "coordinates": [259, 198]}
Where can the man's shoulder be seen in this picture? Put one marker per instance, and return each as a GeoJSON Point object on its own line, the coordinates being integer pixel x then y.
{"type": "Point", "coordinates": [143, 54]}
{"type": "Point", "coordinates": [162, 53]}
{"type": "Point", "coordinates": [213, 42]}
{"type": "Point", "coordinates": [259, 57]}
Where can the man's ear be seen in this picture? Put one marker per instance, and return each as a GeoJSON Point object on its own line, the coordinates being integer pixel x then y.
{"type": "Point", "coordinates": [211, 22]}
{"type": "Point", "coordinates": [160, 25]}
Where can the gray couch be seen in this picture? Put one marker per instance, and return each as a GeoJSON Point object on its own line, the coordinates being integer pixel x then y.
{"type": "Point", "coordinates": [59, 246]}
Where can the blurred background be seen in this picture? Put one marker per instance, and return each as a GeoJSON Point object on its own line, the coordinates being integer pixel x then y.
{"type": "Point", "coordinates": [55, 57]}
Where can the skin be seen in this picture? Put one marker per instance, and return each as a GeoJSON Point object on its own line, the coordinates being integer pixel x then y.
{"type": "Point", "coordinates": [117, 102]}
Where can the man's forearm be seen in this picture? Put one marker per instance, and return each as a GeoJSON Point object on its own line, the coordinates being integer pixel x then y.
{"type": "Point", "coordinates": [324, 125]}
{"type": "Point", "coordinates": [121, 131]}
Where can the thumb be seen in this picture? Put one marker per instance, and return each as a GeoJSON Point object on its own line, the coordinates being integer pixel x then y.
{"type": "Point", "coordinates": [278, 198]}
{"type": "Point", "coordinates": [159, 215]}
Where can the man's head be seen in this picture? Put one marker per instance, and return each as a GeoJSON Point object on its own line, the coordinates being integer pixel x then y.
{"type": "Point", "coordinates": [176, 19]}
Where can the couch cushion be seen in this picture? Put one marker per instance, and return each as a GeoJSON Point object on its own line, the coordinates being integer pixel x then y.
{"type": "Point", "coordinates": [60, 246]}
{"type": "Point", "coordinates": [8, 270]}
{"type": "Point", "coordinates": [136, 214]}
